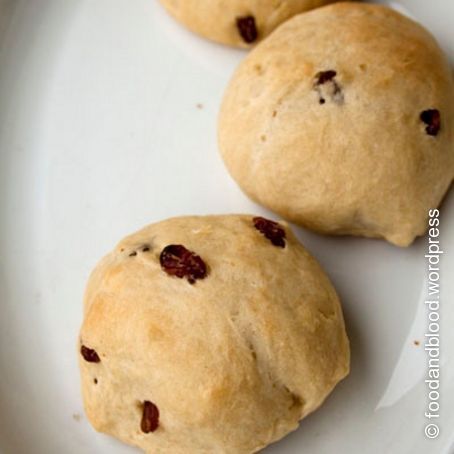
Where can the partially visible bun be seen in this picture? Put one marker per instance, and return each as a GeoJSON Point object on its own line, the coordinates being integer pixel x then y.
{"type": "Point", "coordinates": [240, 23]}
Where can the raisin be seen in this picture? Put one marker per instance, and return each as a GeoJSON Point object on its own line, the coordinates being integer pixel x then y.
{"type": "Point", "coordinates": [89, 355]}
{"type": "Point", "coordinates": [146, 249]}
{"type": "Point", "coordinates": [325, 76]}
{"type": "Point", "coordinates": [133, 254]}
{"type": "Point", "coordinates": [150, 417]}
{"type": "Point", "coordinates": [176, 260]}
{"type": "Point", "coordinates": [271, 230]}
{"type": "Point", "coordinates": [247, 28]}
{"type": "Point", "coordinates": [432, 119]}
{"type": "Point", "coordinates": [327, 87]}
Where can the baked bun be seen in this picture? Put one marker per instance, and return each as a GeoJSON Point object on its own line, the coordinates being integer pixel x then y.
{"type": "Point", "coordinates": [213, 334]}
{"type": "Point", "coordinates": [342, 121]}
{"type": "Point", "coordinates": [240, 23]}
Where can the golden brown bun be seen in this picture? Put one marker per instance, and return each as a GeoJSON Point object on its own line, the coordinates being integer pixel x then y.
{"type": "Point", "coordinates": [217, 20]}
{"type": "Point", "coordinates": [232, 362]}
{"type": "Point", "coordinates": [326, 122]}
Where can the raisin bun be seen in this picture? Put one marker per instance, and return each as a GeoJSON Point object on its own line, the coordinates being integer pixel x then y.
{"type": "Point", "coordinates": [342, 121]}
{"type": "Point", "coordinates": [238, 23]}
{"type": "Point", "coordinates": [209, 335]}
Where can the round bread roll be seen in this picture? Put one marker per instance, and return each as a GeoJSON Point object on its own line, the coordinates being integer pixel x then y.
{"type": "Point", "coordinates": [238, 23]}
{"type": "Point", "coordinates": [343, 121]}
{"type": "Point", "coordinates": [209, 335]}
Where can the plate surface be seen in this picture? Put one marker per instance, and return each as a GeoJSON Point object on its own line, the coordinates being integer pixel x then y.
{"type": "Point", "coordinates": [108, 122]}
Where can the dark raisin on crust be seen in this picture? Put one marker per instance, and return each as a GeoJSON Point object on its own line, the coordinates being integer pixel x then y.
{"type": "Point", "coordinates": [150, 417]}
{"type": "Point", "coordinates": [146, 249]}
{"type": "Point", "coordinates": [178, 261]}
{"type": "Point", "coordinates": [432, 119]}
{"type": "Point", "coordinates": [89, 355]}
{"type": "Point", "coordinates": [325, 76]}
{"type": "Point", "coordinates": [247, 28]}
{"type": "Point", "coordinates": [327, 87]}
{"type": "Point", "coordinates": [133, 254]}
{"type": "Point", "coordinates": [271, 230]}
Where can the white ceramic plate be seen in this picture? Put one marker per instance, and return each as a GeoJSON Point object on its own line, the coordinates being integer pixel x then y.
{"type": "Point", "coordinates": [100, 133]}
